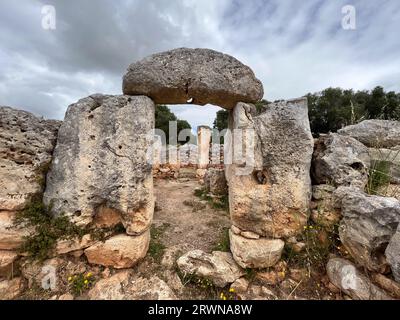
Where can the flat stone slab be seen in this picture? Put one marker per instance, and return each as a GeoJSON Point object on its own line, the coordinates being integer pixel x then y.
{"type": "Point", "coordinates": [198, 76]}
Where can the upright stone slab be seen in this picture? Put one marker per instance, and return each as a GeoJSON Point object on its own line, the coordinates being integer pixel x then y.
{"type": "Point", "coordinates": [203, 141]}
{"type": "Point", "coordinates": [101, 161]}
{"type": "Point", "coordinates": [270, 190]}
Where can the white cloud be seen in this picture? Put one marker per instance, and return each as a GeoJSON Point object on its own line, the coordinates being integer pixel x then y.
{"type": "Point", "coordinates": [294, 47]}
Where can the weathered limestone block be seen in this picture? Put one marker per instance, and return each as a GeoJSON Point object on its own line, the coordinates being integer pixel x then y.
{"type": "Point", "coordinates": [101, 161]}
{"type": "Point", "coordinates": [368, 224]}
{"type": "Point", "coordinates": [392, 254]}
{"type": "Point", "coordinates": [203, 141]}
{"type": "Point", "coordinates": [269, 180]}
{"type": "Point", "coordinates": [7, 260]}
{"type": "Point", "coordinates": [344, 275]}
{"type": "Point", "coordinates": [71, 245]}
{"type": "Point", "coordinates": [340, 161]}
{"type": "Point", "coordinates": [255, 253]}
{"type": "Point", "coordinates": [26, 145]}
{"type": "Point", "coordinates": [198, 76]}
{"type": "Point", "coordinates": [375, 133]}
{"type": "Point", "coordinates": [219, 267]}
{"type": "Point", "coordinates": [121, 251]}
{"type": "Point", "coordinates": [215, 181]}
{"type": "Point", "coordinates": [11, 236]}
{"type": "Point", "coordinates": [11, 289]}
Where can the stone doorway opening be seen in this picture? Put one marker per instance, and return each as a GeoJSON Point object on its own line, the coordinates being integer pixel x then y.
{"type": "Point", "coordinates": [191, 193]}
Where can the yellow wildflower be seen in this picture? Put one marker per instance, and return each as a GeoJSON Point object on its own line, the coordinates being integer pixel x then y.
{"type": "Point", "coordinates": [86, 281]}
{"type": "Point", "coordinates": [231, 290]}
{"type": "Point", "coordinates": [89, 275]}
{"type": "Point", "coordinates": [69, 279]}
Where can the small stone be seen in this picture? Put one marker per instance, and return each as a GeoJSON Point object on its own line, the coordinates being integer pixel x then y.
{"type": "Point", "coordinates": [298, 247]}
{"type": "Point", "coordinates": [149, 289]}
{"type": "Point", "coordinates": [344, 275]}
{"type": "Point", "coordinates": [170, 256]}
{"type": "Point", "coordinates": [112, 288]}
{"type": "Point", "coordinates": [106, 273]}
{"type": "Point", "coordinates": [268, 293]}
{"type": "Point", "coordinates": [240, 285]}
{"type": "Point", "coordinates": [298, 274]}
{"type": "Point", "coordinates": [250, 235]}
{"type": "Point", "coordinates": [66, 296]}
{"type": "Point", "coordinates": [235, 229]}
{"type": "Point", "coordinates": [270, 278]}
{"type": "Point", "coordinates": [333, 288]}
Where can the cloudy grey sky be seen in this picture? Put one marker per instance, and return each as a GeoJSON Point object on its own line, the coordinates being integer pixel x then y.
{"type": "Point", "coordinates": [293, 46]}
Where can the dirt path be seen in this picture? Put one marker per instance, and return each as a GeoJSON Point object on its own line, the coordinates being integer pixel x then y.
{"type": "Point", "coordinates": [185, 227]}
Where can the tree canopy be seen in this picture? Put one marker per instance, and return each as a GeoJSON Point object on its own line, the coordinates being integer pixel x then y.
{"type": "Point", "coordinates": [163, 116]}
{"type": "Point", "coordinates": [335, 108]}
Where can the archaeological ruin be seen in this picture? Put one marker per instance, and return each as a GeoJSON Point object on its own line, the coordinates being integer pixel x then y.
{"type": "Point", "coordinates": [107, 179]}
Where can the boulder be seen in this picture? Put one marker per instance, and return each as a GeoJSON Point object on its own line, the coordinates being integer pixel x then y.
{"type": "Point", "coordinates": [100, 164]}
{"type": "Point", "coordinates": [269, 179]}
{"type": "Point", "coordinates": [11, 289]}
{"type": "Point", "coordinates": [121, 251]}
{"type": "Point", "coordinates": [340, 161]}
{"type": "Point", "coordinates": [344, 275]}
{"type": "Point", "coordinates": [368, 224]}
{"type": "Point", "coordinates": [198, 76]}
{"type": "Point", "coordinates": [392, 254]}
{"type": "Point", "coordinates": [219, 267]}
{"type": "Point", "coordinates": [26, 146]}
{"type": "Point", "coordinates": [255, 253]}
{"type": "Point", "coordinates": [375, 133]}
{"type": "Point", "coordinates": [215, 181]}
